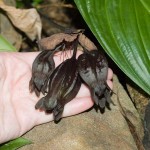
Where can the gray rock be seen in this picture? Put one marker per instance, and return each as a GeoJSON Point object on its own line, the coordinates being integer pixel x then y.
{"type": "Point", "coordinates": [91, 130]}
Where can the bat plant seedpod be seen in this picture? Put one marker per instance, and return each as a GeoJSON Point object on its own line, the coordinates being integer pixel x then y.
{"type": "Point", "coordinates": [93, 69]}
{"type": "Point", "coordinates": [42, 68]}
{"type": "Point", "coordinates": [64, 85]}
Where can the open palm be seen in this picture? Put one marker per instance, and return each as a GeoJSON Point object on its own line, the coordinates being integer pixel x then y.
{"type": "Point", "coordinates": [17, 104]}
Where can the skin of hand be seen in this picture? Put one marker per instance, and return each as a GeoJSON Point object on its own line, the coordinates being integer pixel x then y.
{"type": "Point", "coordinates": [17, 104]}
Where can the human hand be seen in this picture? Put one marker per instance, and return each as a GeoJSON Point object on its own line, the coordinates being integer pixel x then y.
{"type": "Point", "coordinates": [17, 104]}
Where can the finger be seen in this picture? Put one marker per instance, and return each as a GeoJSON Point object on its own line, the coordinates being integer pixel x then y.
{"type": "Point", "coordinates": [74, 107]}
{"type": "Point", "coordinates": [83, 92]}
{"type": "Point", "coordinates": [110, 84]}
{"type": "Point", "coordinates": [77, 106]}
{"type": "Point", "coordinates": [110, 74]}
{"type": "Point", "coordinates": [58, 57]}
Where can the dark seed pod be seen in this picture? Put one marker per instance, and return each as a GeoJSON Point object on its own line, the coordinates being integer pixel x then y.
{"type": "Point", "coordinates": [42, 68]}
{"type": "Point", "coordinates": [63, 86]}
{"type": "Point", "coordinates": [93, 69]}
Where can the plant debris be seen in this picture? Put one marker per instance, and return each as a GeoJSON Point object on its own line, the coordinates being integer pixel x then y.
{"type": "Point", "coordinates": [93, 69]}
{"type": "Point", "coordinates": [42, 68]}
{"type": "Point", "coordinates": [26, 20]}
{"type": "Point", "coordinates": [61, 84]}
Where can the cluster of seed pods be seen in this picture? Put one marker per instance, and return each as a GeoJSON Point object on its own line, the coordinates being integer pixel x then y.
{"type": "Point", "coordinates": [61, 84]}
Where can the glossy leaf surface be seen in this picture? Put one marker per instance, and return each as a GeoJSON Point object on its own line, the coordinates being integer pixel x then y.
{"type": "Point", "coordinates": [122, 28]}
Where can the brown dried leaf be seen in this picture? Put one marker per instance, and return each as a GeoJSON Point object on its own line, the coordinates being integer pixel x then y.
{"type": "Point", "coordinates": [27, 20]}
{"type": "Point", "coordinates": [7, 30]}
{"type": "Point", "coordinates": [55, 39]}
{"type": "Point", "coordinates": [86, 43]}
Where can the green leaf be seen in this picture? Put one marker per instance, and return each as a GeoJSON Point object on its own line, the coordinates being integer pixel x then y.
{"type": "Point", "coordinates": [5, 46]}
{"type": "Point", "coordinates": [122, 28]}
{"type": "Point", "coordinates": [14, 144]}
